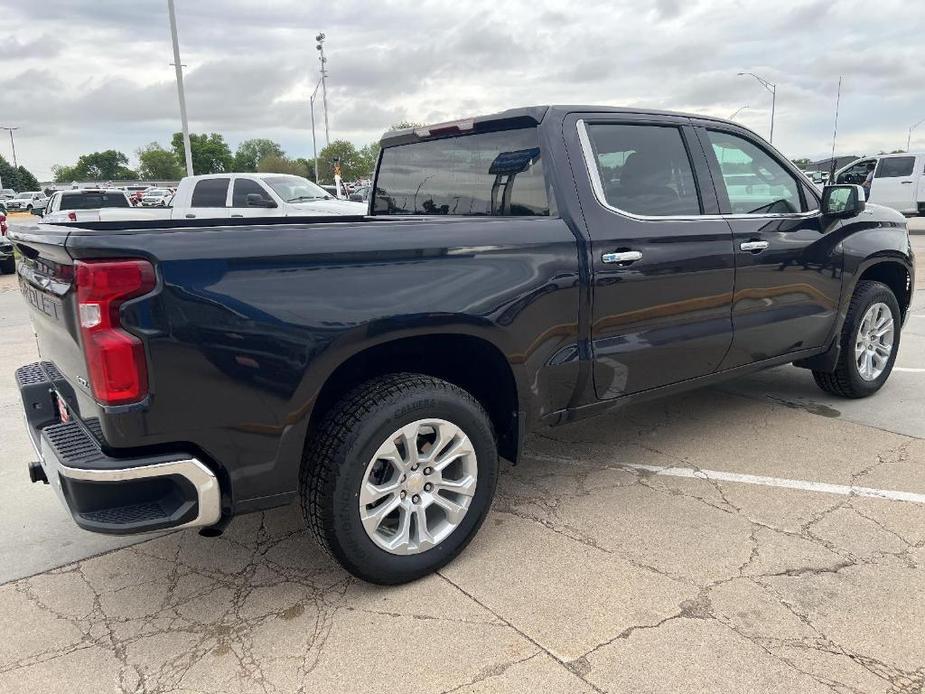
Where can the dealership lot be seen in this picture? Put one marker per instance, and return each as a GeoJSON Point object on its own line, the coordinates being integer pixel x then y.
{"type": "Point", "coordinates": [758, 536]}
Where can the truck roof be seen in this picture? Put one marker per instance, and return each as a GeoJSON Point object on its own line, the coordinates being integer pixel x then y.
{"type": "Point", "coordinates": [522, 117]}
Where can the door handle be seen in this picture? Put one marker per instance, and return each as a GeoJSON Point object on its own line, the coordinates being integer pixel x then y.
{"type": "Point", "coordinates": [237, 215]}
{"type": "Point", "coordinates": [906, 183]}
{"type": "Point", "coordinates": [622, 257]}
{"type": "Point", "coordinates": [753, 246]}
{"type": "Point", "coordinates": [190, 216]}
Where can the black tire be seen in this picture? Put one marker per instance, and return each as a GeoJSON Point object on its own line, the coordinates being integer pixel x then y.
{"type": "Point", "coordinates": [7, 266]}
{"type": "Point", "coordinates": [846, 380]}
{"type": "Point", "coordinates": [338, 453]}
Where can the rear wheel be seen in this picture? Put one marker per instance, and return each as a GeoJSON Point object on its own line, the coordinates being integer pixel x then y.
{"type": "Point", "coordinates": [399, 477]}
{"type": "Point", "coordinates": [869, 343]}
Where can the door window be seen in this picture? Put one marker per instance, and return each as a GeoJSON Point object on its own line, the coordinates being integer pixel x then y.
{"type": "Point", "coordinates": [755, 182]}
{"type": "Point", "coordinates": [644, 169]}
{"type": "Point", "coordinates": [210, 192]}
{"type": "Point", "coordinates": [244, 187]}
{"type": "Point", "coordinates": [895, 167]}
{"type": "Point", "coordinates": [857, 172]}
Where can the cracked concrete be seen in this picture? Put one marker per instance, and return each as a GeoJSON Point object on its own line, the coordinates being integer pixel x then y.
{"type": "Point", "coordinates": [586, 577]}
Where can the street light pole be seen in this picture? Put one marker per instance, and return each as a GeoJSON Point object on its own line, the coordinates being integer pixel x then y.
{"type": "Point", "coordinates": [179, 68]}
{"type": "Point", "coordinates": [737, 112]}
{"type": "Point", "coordinates": [324, 85]}
{"type": "Point", "coordinates": [311, 101]}
{"type": "Point", "coordinates": [12, 144]}
{"type": "Point", "coordinates": [908, 139]}
{"type": "Point", "coordinates": [771, 87]}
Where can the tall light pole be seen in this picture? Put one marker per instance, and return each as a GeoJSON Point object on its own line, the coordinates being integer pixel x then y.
{"type": "Point", "coordinates": [324, 84]}
{"type": "Point", "coordinates": [179, 68]}
{"type": "Point", "coordinates": [908, 139]}
{"type": "Point", "coordinates": [771, 87]}
{"type": "Point", "coordinates": [311, 102]}
{"type": "Point", "coordinates": [737, 112]}
{"type": "Point", "coordinates": [12, 144]}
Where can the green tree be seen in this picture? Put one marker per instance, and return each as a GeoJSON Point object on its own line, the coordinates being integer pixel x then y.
{"type": "Point", "coordinates": [158, 164]}
{"type": "Point", "coordinates": [63, 173]}
{"type": "Point", "coordinates": [402, 124]}
{"type": "Point", "coordinates": [210, 153]}
{"type": "Point", "coordinates": [103, 166]}
{"type": "Point", "coordinates": [369, 155]}
{"type": "Point", "coordinates": [803, 163]}
{"type": "Point", "coordinates": [276, 163]}
{"type": "Point", "coordinates": [251, 152]}
{"type": "Point", "coordinates": [18, 178]}
{"type": "Point", "coordinates": [352, 165]}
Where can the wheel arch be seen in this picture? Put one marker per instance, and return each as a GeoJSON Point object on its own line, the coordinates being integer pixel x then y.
{"type": "Point", "coordinates": [471, 362]}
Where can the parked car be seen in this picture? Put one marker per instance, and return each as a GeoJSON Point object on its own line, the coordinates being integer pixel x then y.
{"type": "Point", "coordinates": [83, 205]}
{"type": "Point", "coordinates": [7, 194]}
{"type": "Point", "coordinates": [156, 197]}
{"type": "Point", "coordinates": [7, 261]}
{"type": "Point", "coordinates": [516, 271]}
{"type": "Point", "coordinates": [359, 194]}
{"type": "Point", "coordinates": [897, 183]}
{"type": "Point", "coordinates": [250, 195]}
{"type": "Point", "coordinates": [26, 201]}
{"type": "Point", "coordinates": [136, 193]}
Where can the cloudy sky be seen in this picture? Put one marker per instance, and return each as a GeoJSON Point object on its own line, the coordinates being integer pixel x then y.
{"type": "Point", "coordinates": [82, 76]}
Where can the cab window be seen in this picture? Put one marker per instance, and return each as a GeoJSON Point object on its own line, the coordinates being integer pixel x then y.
{"type": "Point", "coordinates": [895, 167]}
{"type": "Point", "coordinates": [755, 182]}
{"type": "Point", "coordinates": [210, 192]}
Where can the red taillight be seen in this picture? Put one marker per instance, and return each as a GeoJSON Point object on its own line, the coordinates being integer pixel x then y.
{"type": "Point", "coordinates": [72, 216]}
{"type": "Point", "coordinates": [115, 359]}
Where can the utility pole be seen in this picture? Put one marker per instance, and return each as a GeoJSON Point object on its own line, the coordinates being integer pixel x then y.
{"type": "Point", "coordinates": [12, 144]}
{"type": "Point", "coordinates": [179, 68]}
{"type": "Point", "coordinates": [832, 166]}
{"type": "Point", "coordinates": [324, 84]}
{"type": "Point", "coordinates": [737, 112]}
{"type": "Point", "coordinates": [771, 87]}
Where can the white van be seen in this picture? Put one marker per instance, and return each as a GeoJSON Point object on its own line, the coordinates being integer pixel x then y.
{"type": "Point", "coordinates": [897, 183]}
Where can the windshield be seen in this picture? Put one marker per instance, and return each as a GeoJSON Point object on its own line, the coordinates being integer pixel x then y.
{"type": "Point", "coordinates": [295, 188]}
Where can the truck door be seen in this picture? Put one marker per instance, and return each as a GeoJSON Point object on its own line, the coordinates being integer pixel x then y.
{"type": "Point", "coordinates": [894, 183]}
{"type": "Point", "coordinates": [788, 270]}
{"type": "Point", "coordinates": [250, 199]}
{"type": "Point", "coordinates": [662, 264]}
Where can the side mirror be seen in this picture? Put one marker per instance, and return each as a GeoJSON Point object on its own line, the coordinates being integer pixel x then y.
{"type": "Point", "coordinates": [257, 200]}
{"type": "Point", "coordinates": [843, 201]}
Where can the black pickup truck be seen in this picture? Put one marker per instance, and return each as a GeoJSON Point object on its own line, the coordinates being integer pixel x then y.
{"type": "Point", "coordinates": [517, 270]}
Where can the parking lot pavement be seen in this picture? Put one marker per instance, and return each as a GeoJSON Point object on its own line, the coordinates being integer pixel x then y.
{"type": "Point", "coordinates": [755, 537]}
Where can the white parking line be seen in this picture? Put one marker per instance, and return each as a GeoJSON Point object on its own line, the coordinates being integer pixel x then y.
{"type": "Point", "coordinates": [908, 369]}
{"type": "Point", "coordinates": [803, 485]}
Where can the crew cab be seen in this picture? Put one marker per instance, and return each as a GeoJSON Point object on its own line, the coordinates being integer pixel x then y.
{"type": "Point", "coordinates": [514, 271]}
{"type": "Point", "coordinates": [82, 204]}
{"type": "Point", "coordinates": [217, 196]}
{"type": "Point", "coordinates": [26, 201]}
{"type": "Point", "coordinates": [898, 182]}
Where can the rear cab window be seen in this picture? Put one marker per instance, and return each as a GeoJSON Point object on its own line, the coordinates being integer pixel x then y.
{"type": "Point", "coordinates": [496, 173]}
{"type": "Point", "coordinates": [643, 169]}
{"type": "Point", "coordinates": [210, 192]}
{"type": "Point", "coordinates": [92, 201]}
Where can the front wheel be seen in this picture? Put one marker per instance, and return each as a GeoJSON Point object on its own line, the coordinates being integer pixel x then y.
{"type": "Point", "coordinates": [399, 477]}
{"type": "Point", "coordinates": [869, 343]}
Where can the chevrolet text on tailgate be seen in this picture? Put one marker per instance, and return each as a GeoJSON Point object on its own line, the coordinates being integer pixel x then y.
{"type": "Point", "coordinates": [517, 270]}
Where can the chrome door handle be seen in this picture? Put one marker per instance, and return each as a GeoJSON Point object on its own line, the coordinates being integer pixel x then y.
{"type": "Point", "coordinates": [622, 257]}
{"type": "Point", "coordinates": [753, 246]}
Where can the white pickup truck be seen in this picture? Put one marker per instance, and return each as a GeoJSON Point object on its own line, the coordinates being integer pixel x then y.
{"type": "Point", "coordinates": [222, 196]}
{"type": "Point", "coordinates": [83, 205]}
{"type": "Point", "coordinates": [898, 182]}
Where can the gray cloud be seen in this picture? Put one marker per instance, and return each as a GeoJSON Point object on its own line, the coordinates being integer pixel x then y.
{"type": "Point", "coordinates": [82, 76]}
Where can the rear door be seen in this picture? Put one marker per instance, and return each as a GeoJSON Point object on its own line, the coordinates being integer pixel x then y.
{"type": "Point", "coordinates": [209, 198]}
{"type": "Point", "coordinates": [894, 183]}
{"type": "Point", "coordinates": [788, 271]}
{"type": "Point", "coordinates": [662, 263]}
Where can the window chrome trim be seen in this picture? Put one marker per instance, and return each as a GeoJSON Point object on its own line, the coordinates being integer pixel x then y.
{"type": "Point", "coordinates": [598, 187]}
